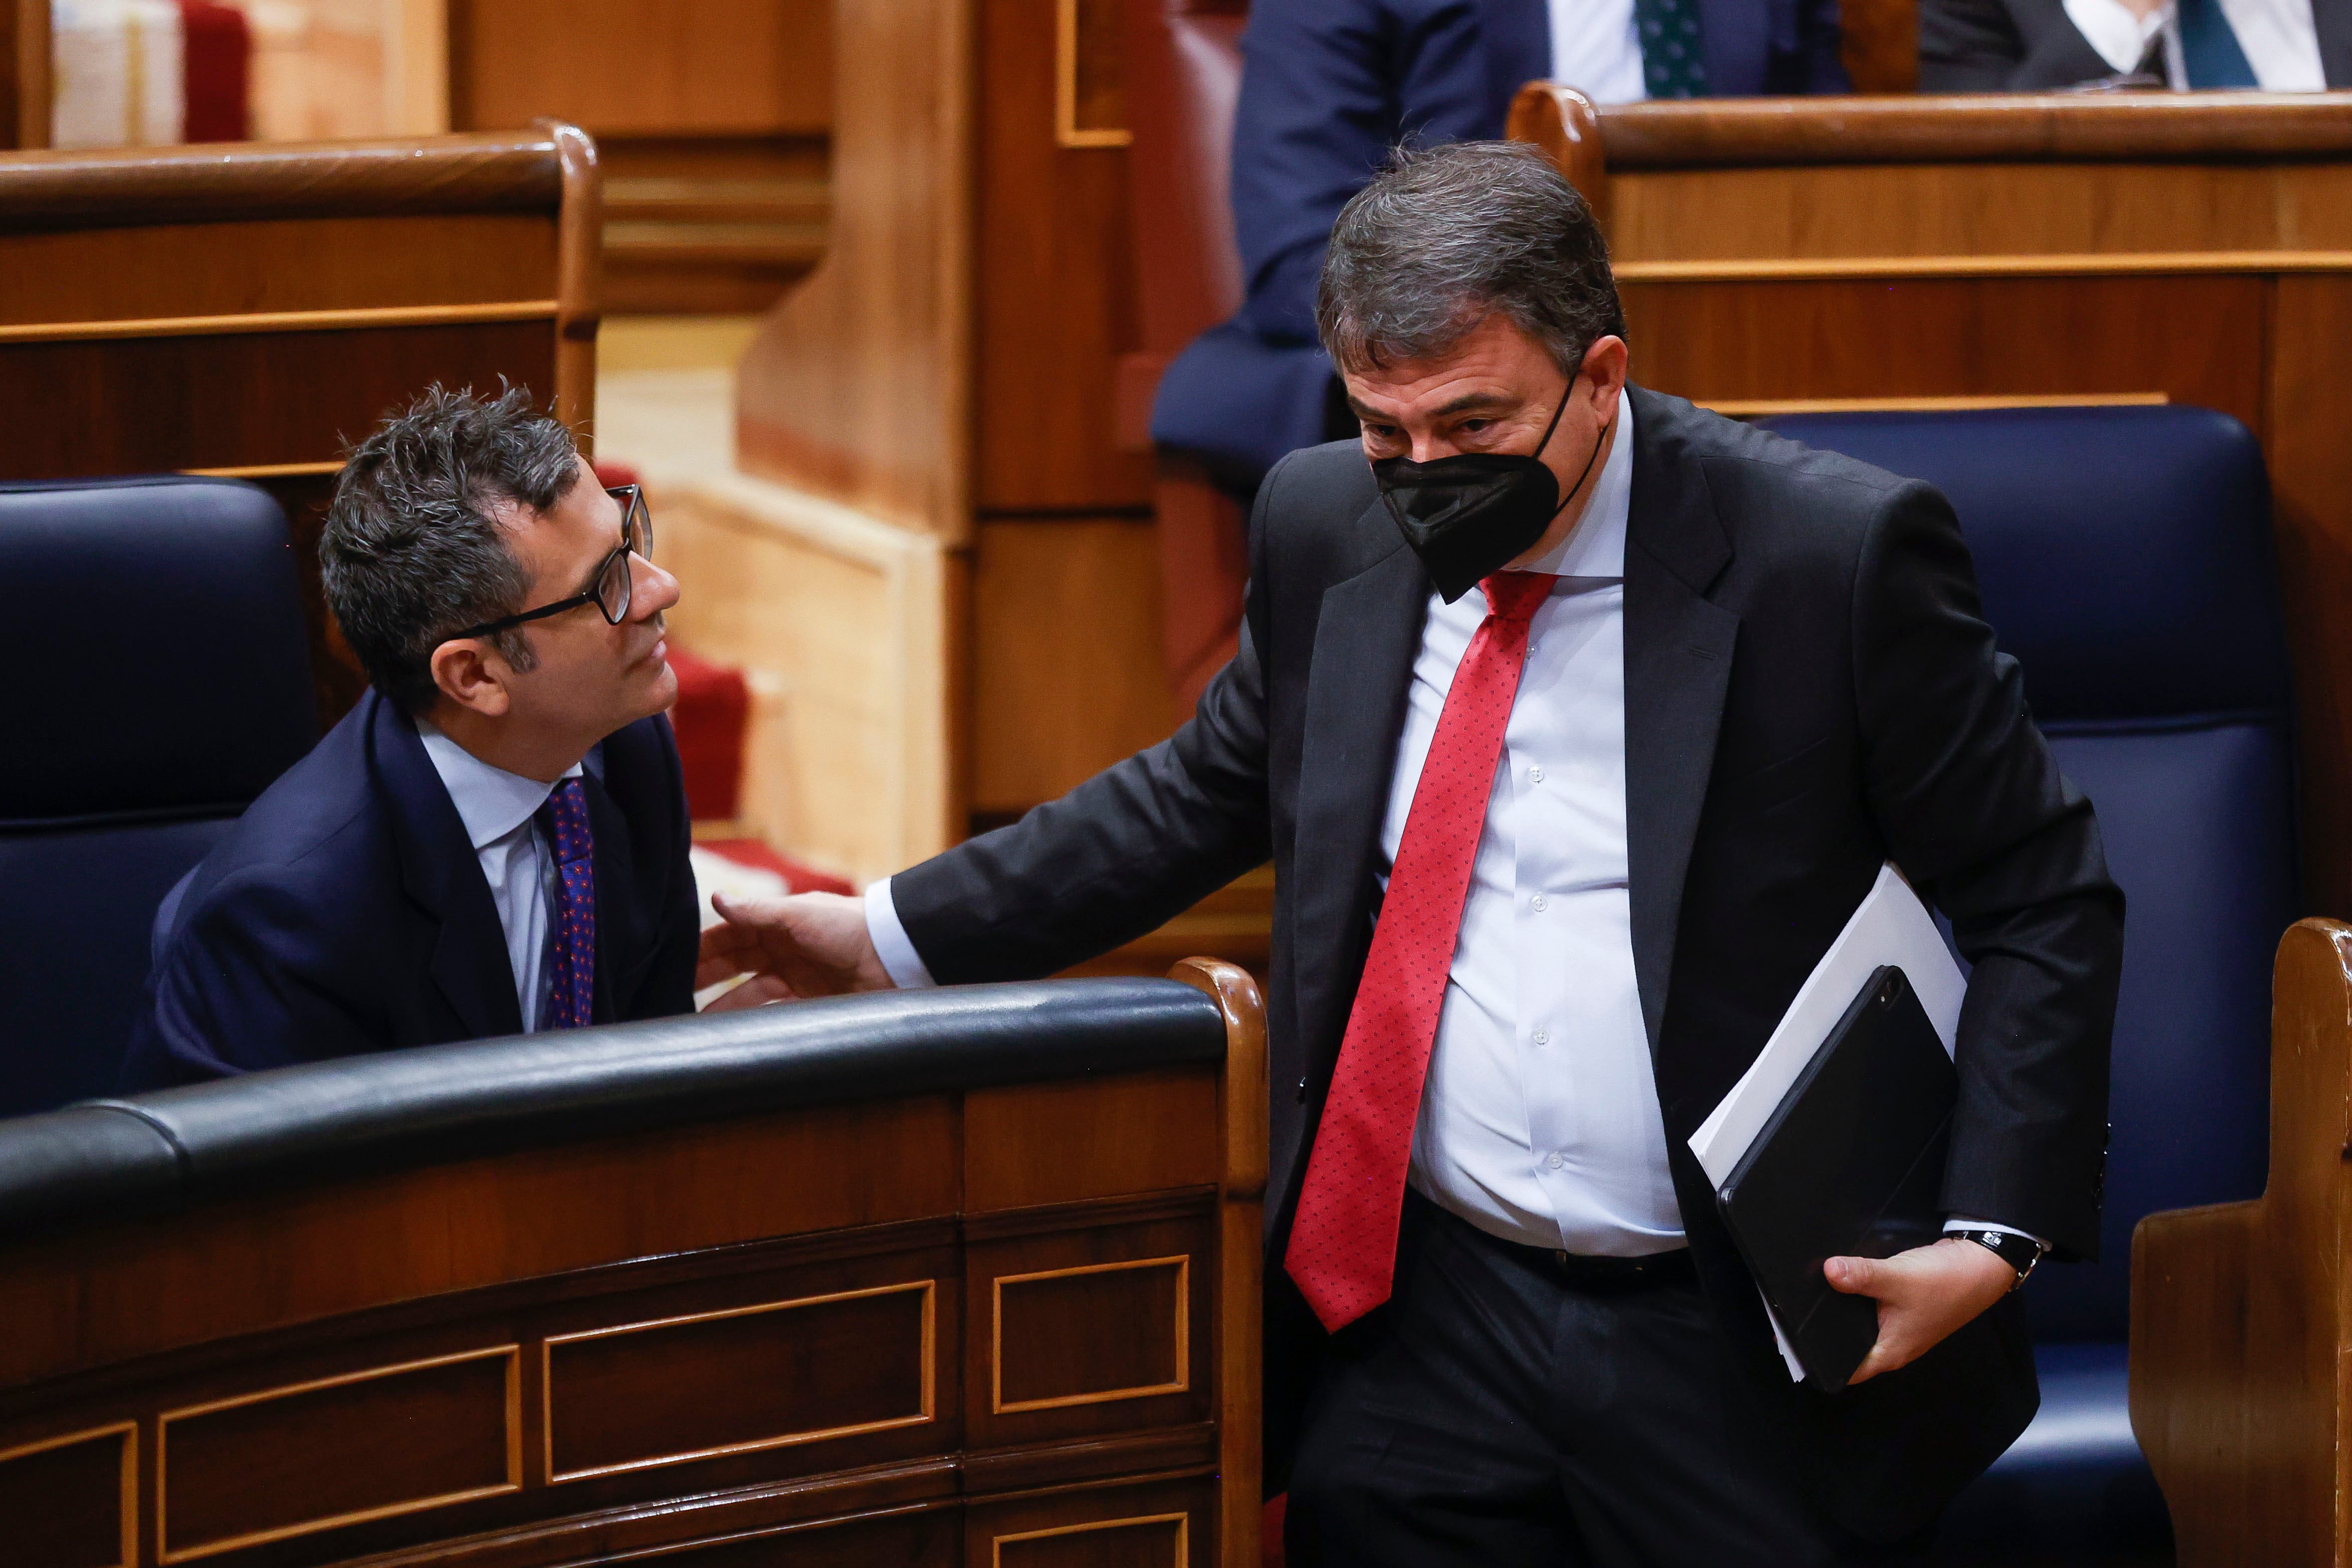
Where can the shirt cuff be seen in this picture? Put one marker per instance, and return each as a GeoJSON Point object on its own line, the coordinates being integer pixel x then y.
{"type": "Point", "coordinates": [1958, 1222]}
{"type": "Point", "coordinates": [2110, 26]}
{"type": "Point", "coordinates": [899, 959]}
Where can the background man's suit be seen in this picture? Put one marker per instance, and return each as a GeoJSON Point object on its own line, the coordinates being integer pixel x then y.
{"type": "Point", "coordinates": [1328, 88]}
{"type": "Point", "coordinates": [2029, 46]}
{"type": "Point", "coordinates": [1809, 692]}
{"type": "Point", "coordinates": [347, 912]}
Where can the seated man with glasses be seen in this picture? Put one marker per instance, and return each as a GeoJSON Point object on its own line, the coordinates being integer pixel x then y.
{"type": "Point", "coordinates": [495, 840]}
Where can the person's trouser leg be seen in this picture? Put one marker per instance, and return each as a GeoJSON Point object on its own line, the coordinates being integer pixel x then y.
{"type": "Point", "coordinates": [1494, 1413]}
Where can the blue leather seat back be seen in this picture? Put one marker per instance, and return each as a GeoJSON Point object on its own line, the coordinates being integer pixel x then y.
{"type": "Point", "coordinates": [160, 679]}
{"type": "Point", "coordinates": [2126, 561]}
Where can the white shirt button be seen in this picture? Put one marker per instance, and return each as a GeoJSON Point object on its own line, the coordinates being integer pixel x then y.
{"type": "Point", "coordinates": [1541, 1037]}
{"type": "Point", "coordinates": [1554, 1162]}
{"type": "Point", "coordinates": [1535, 775]}
{"type": "Point", "coordinates": [1536, 903]}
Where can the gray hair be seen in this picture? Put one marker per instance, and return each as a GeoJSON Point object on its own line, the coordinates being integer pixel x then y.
{"type": "Point", "coordinates": [412, 555]}
{"type": "Point", "coordinates": [1443, 237]}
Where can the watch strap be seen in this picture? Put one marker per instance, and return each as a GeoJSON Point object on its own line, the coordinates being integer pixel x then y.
{"type": "Point", "coordinates": [2020, 1252]}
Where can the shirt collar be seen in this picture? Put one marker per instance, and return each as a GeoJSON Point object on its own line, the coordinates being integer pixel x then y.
{"type": "Point", "coordinates": [490, 801]}
{"type": "Point", "coordinates": [1597, 548]}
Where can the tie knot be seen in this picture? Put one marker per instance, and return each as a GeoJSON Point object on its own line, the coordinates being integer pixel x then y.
{"type": "Point", "coordinates": [1514, 595]}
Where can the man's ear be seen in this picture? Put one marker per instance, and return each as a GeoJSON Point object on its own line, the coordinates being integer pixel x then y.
{"type": "Point", "coordinates": [472, 673]}
{"type": "Point", "coordinates": [1605, 365]}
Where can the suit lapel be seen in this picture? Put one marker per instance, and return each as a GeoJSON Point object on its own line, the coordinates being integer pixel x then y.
{"type": "Point", "coordinates": [1679, 652]}
{"type": "Point", "coordinates": [1366, 638]}
{"type": "Point", "coordinates": [443, 877]}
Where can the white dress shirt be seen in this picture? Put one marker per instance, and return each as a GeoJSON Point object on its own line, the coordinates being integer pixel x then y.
{"type": "Point", "coordinates": [1595, 49]}
{"type": "Point", "coordinates": [2280, 40]}
{"type": "Point", "coordinates": [1539, 1119]}
{"type": "Point", "coordinates": [498, 808]}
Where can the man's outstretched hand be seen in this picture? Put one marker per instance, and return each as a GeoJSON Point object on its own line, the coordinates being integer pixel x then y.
{"type": "Point", "coordinates": [1923, 1295]}
{"type": "Point", "coordinates": [810, 944]}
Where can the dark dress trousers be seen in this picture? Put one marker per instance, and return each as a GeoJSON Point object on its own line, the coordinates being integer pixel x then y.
{"type": "Point", "coordinates": [1809, 691]}
{"type": "Point", "coordinates": [1328, 88]}
{"type": "Point", "coordinates": [346, 911]}
{"type": "Point", "coordinates": [2029, 46]}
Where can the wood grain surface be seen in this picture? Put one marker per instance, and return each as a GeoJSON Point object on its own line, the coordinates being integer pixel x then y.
{"type": "Point", "coordinates": [2240, 1311]}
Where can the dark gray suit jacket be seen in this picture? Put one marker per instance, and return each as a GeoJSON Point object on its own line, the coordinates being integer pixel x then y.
{"type": "Point", "coordinates": [2028, 46]}
{"type": "Point", "coordinates": [1809, 692]}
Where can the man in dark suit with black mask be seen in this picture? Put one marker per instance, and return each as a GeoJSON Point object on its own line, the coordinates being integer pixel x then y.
{"type": "Point", "coordinates": [1576, 722]}
{"type": "Point", "coordinates": [495, 840]}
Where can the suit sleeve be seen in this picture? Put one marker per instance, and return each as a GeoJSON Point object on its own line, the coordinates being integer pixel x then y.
{"type": "Point", "coordinates": [1978, 46]}
{"type": "Point", "coordinates": [1328, 86]}
{"type": "Point", "coordinates": [249, 982]}
{"type": "Point", "coordinates": [1821, 49]}
{"type": "Point", "coordinates": [1976, 813]}
{"type": "Point", "coordinates": [1122, 853]}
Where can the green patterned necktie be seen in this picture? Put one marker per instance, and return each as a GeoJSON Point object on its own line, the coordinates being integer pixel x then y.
{"type": "Point", "coordinates": [1672, 66]}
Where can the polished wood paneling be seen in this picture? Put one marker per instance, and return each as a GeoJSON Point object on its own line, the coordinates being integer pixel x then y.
{"type": "Point", "coordinates": [1735, 341]}
{"type": "Point", "coordinates": [776, 1336]}
{"type": "Point", "coordinates": [1056, 288]}
{"type": "Point", "coordinates": [2239, 1319]}
{"type": "Point", "coordinates": [141, 406]}
{"type": "Point", "coordinates": [859, 385]}
{"type": "Point", "coordinates": [1879, 43]}
{"type": "Point", "coordinates": [739, 1379]}
{"type": "Point", "coordinates": [1122, 1286]}
{"type": "Point", "coordinates": [663, 68]}
{"type": "Point", "coordinates": [1967, 211]}
{"type": "Point", "coordinates": [1059, 1143]}
{"type": "Point", "coordinates": [1166, 1524]}
{"type": "Point", "coordinates": [92, 1296]}
{"type": "Point", "coordinates": [1066, 671]}
{"type": "Point", "coordinates": [1727, 133]}
{"type": "Point", "coordinates": [1148, 1539]}
{"type": "Point", "coordinates": [148, 186]}
{"type": "Point", "coordinates": [73, 1501]}
{"type": "Point", "coordinates": [24, 73]}
{"type": "Point", "coordinates": [2308, 412]}
{"type": "Point", "coordinates": [275, 1463]}
{"type": "Point", "coordinates": [1051, 1350]}
{"type": "Point", "coordinates": [275, 265]}
{"type": "Point", "coordinates": [711, 226]}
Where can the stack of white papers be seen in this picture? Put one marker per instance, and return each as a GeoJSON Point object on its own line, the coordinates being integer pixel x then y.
{"type": "Point", "coordinates": [1892, 926]}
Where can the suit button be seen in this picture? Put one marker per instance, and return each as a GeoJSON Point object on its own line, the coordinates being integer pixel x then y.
{"type": "Point", "coordinates": [1302, 1091]}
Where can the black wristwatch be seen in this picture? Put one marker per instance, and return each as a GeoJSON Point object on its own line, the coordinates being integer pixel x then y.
{"type": "Point", "coordinates": [2020, 1252]}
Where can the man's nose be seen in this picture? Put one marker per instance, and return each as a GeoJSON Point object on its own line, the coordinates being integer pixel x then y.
{"type": "Point", "coordinates": [653, 591]}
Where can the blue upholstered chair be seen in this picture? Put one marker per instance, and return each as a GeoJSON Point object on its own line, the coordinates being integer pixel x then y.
{"type": "Point", "coordinates": [2125, 560]}
{"type": "Point", "coordinates": [157, 680]}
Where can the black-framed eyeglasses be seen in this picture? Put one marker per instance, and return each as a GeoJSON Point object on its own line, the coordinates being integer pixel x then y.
{"type": "Point", "coordinates": [609, 590]}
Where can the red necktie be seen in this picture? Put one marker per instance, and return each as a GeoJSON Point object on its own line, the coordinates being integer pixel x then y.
{"type": "Point", "coordinates": [1343, 1241]}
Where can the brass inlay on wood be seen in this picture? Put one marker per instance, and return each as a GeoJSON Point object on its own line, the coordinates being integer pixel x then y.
{"type": "Point", "coordinates": [1080, 95]}
{"type": "Point", "coordinates": [266, 470]}
{"type": "Point", "coordinates": [1759, 408]}
{"type": "Point", "coordinates": [128, 1431]}
{"type": "Point", "coordinates": [1799, 269]}
{"type": "Point", "coordinates": [1182, 1521]}
{"type": "Point", "coordinates": [279, 321]}
{"type": "Point", "coordinates": [513, 1421]}
{"type": "Point", "coordinates": [930, 1288]}
{"type": "Point", "coordinates": [1182, 1263]}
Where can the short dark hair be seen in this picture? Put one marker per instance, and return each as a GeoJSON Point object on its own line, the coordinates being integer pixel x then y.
{"type": "Point", "coordinates": [1444, 236]}
{"type": "Point", "coordinates": [412, 553]}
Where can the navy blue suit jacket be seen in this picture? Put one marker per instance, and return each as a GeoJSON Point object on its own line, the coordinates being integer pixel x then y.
{"type": "Point", "coordinates": [1328, 88]}
{"type": "Point", "coordinates": [346, 911]}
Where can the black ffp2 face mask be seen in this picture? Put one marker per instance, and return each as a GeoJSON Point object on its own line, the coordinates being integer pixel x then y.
{"type": "Point", "coordinates": [1472, 514]}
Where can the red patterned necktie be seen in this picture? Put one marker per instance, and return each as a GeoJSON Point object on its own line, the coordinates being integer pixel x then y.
{"type": "Point", "coordinates": [571, 940]}
{"type": "Point", "coordinates": [1343, 1241]}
